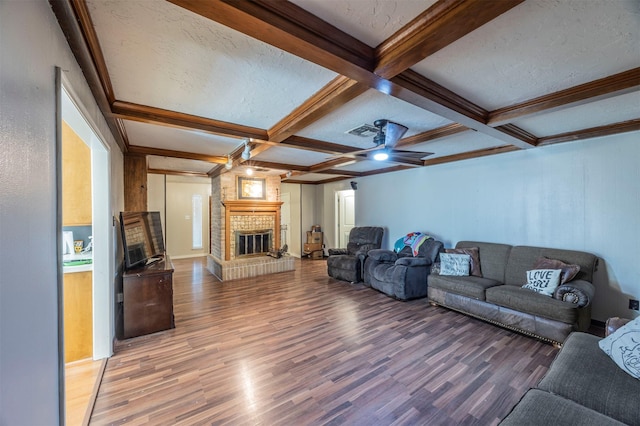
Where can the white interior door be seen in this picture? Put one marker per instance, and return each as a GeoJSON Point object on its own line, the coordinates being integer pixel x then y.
{"type": "Point", "coordinates": [346, 215]}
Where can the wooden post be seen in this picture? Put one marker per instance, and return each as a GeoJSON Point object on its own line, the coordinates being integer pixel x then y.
{"type": "Point", "coordinates": [135, 183]}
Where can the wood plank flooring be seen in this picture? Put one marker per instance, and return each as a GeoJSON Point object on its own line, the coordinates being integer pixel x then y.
{"type": "Point", "coordinates": [81, 379]}
{"type": "Point", "coordinates": [300, 348]}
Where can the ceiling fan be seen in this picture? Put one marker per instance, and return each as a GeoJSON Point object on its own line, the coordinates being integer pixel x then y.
{"type": "Point", "coordinates": [387, 136]}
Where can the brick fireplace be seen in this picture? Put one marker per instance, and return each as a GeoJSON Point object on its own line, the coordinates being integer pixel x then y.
{"type": "Point", "coordinates": [243, 231]}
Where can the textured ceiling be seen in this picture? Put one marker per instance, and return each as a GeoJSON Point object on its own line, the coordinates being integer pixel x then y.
{"type": "Point", "coordinates": [188, 88]}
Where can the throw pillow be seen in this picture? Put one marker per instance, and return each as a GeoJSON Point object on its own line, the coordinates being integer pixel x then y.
{"type": "Point", "coordinates": [543, 281]}
{"type": "Point", "coordinates": [474, 252]}
{"type": "Point", "coordinates": [568, 271]}
{"type": "Point", "coordinates": [454, 264]}
{"type": "Point", "coordinates": [623, 347]}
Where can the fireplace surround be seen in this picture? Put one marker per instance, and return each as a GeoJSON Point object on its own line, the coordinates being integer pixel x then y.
{"type": "Point", "coordinates": [232, 217]}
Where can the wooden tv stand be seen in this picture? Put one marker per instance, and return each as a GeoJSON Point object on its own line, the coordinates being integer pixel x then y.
{"type": "Point", "coordinates": [148, 299]}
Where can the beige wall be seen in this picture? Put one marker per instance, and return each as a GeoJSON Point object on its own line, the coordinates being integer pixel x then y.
{"type": "Point", "coordinates": [172, 196]}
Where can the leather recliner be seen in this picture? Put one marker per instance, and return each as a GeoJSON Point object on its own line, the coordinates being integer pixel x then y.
{"type": "Point", "coordinates": [346, 263]}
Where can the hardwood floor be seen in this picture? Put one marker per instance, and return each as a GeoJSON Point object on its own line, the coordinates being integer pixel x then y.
{"type": "Point", "coordinates": [81, 384]}
{"type": "Point", "coordinates": [300, 348]}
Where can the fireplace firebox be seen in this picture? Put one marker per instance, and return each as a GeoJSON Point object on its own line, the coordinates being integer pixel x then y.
{"type": "Point", "coordinates": [253, 243]}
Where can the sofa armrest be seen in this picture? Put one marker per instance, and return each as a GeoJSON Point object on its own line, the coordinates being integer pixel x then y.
{"type": "Point", "coordinates": [336, 251]}
{"type": "Point", "coordinates": [381, 255]}
{"type": "Point", "coordinates": [579, 292]}
{"type": "Point", "coordinates": [413, 261]}
{"type": "Point", "coordinates": [613, 324]}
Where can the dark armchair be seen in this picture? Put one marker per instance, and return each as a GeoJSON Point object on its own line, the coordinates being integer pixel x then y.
{"type": "Point", "coordinates": [401, 275]}
{"type": "Point", "coordinates": [346, 264]}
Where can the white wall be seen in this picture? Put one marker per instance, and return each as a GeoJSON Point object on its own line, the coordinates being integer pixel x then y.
{"type": "Point", "coordinates": [581, 195]}
{"type": "Point", "coordinates": [32, 44]}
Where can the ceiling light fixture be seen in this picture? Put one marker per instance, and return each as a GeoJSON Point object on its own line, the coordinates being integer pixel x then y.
{"type": "Point", "coordinates": [381, 155]}
{"type": "Point", "coordinates": [246, 154]}
{"type": "Point", "coordinates": [229, 164]}
{"type": "Point", "coordinates": [250, 171]}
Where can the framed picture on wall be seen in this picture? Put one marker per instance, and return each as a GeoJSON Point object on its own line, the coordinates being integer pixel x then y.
{"type": "Point", "coordinates": [251, 188]}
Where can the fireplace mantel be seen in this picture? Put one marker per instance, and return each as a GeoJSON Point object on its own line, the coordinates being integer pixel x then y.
{"type": "Point", "coordinates": [249, 207]}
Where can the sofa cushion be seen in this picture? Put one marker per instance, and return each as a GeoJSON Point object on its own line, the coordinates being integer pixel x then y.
{"type": "Point", "coordinates": [568, 271]}
{"type": "Point", "coordinates": [623, 347]}
{"type": "Point", "coordinates": [538, 408]}
{"type": "Point", "coordinates": [523, 258]}
{"type": "Point", "coordinates": [454, 264]}
{"type": "Point", "coordinates": [543, 281]}
{"type": "Point", "coordinates": [585, 374]}
{"type": "Point", "coordinates": [469, 286]}
{"type": "Point", "coordinates": [524, 300]}
{"type": "Point", "coordinates": [474, 254]}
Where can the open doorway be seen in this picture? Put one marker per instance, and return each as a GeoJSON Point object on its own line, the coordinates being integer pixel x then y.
{"type": "Point", "coordinates": [345, 215]}
{"type": "Point", "coordinates": [86, 240]}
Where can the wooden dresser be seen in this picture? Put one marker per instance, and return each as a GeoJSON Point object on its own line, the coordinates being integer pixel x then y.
{"type": "Point", "coordinates": [148, 299]}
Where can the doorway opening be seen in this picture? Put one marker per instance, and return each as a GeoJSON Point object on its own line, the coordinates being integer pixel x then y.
{"type": "Point", "coordinates": [87, 262]}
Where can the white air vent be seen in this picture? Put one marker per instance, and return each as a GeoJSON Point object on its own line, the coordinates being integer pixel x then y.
{"type": "Point", "coordinates": [364, 131]}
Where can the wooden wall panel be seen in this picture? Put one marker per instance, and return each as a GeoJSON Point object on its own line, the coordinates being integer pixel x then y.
{"type": "Point", "coordinates": [76, 179]}
{"type": "Point", "coordinates": [135, 183]}
{"type": "Point", "coordinates": [78, 316]}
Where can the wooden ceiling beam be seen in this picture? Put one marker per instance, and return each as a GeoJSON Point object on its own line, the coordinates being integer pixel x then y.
{"type": "Point", "coordinates": [316, 145]}
{"type": "Point", "coordinates": [177, 173]}
{"type": "Point", "coordinates": [331, 97]}
{"type": "Point", "coordinates": [330, 164]}
{"type": "Point", "coordinates": [470, 154]}
{"type": "Point", "coordinates": [593, 132]}
{"type": "Point", "coordinates": [147, 114]}
{"type": "Point", "coordinates": [292, 29]}
{"type": "Point", "coordinates": [75, 23]}
{"type": "Point", "coordinates": [143, 150]}
{"type": "Point", "coordinates": [430, 135]}
{"type": "Point", "coordinates": [437, 27]}
{"type": "Point", "coordinates": [614, 85]}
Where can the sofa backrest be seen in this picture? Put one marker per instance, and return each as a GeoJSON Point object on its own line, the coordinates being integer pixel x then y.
{"type": "Point", "coordinates": [523, 258]}
{"type": "Point", "coordinates": [364, 235]}
{"type": "Point", "coordinates": [493, 258]}
{"type": "Point", "coordinates": [429, 249]}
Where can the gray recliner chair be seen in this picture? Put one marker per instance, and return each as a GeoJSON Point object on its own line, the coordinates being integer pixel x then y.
{"type": "Point", "coordinates": [346, 263]}
{"type": "Point", "coordinates": [401, 275]}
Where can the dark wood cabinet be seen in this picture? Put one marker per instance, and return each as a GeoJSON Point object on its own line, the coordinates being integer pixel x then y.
{"type": "Point", "coordinates": [148, 299]}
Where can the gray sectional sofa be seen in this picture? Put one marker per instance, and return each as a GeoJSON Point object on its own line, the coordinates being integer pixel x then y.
{"type": "Point", "coordinates": [582, 387]}
{"type": "Point", "coordinates": [497, 295]}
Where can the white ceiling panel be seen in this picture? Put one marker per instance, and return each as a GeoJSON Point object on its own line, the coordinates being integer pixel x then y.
{"type": "Point", "coordinates": [298, 157]}
{"type": "Point", "coordinates": [365, 109]}
{"type": "Point", "coordinates": [178, 164]}
{"type": "Point", "coordinates": [164, 137]}
{"type": "Point", "coordinates": [161, 55]}
{"type": "Point", "coordinates": [539, 47]}
{"type": "Point", "coordinates": [371, 22]}
{"type": "Point", "coordinates": [456, 144]}
{"type": "Point", "coordinates": [594, 114]}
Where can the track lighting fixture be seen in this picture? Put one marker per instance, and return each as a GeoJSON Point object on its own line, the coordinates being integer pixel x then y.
{"type": "Point", "coordinates": [229, 164]}
{"type": "Point", "coordinates": [246, 154]}
{"type": "Point", "coordinates": [289, 174]}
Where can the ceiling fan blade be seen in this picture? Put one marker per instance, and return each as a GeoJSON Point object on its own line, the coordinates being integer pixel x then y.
{"type": "Point", "coordinates": [393, 132]}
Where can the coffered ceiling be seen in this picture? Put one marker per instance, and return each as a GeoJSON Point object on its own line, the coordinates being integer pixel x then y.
{"type": "Point", "coordinates": [189, 82]}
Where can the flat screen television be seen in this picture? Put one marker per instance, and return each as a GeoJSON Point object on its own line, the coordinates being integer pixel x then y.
{"type": "Point", "coordinates": [141, 238]}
